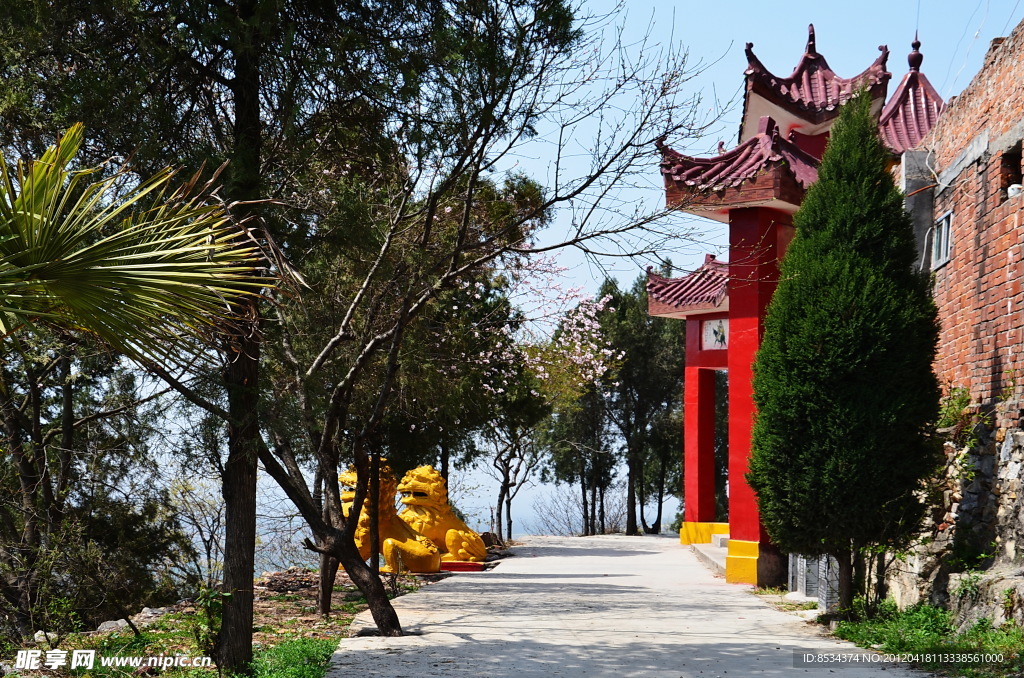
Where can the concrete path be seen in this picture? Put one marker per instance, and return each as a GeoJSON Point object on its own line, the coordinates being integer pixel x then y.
{"type": "Point", "coordinates": [594, 606]}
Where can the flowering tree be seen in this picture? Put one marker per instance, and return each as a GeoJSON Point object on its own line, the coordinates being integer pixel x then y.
{"type": "Point", "coordinates": [644, 404]}
{"type": "Point", "coordinates": [545, 375]}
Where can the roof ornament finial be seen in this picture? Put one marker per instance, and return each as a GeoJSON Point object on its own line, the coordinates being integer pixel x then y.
{"type": "Point", "coordinates": [811, 47]}
{"type": "Point", "coordinates": [915, 58]}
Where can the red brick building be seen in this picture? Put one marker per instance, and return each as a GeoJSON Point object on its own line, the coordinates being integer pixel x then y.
{"type": "Point", "coordinates": [971, 159]}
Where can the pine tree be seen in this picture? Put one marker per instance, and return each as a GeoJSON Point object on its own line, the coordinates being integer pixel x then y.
{"type": "Point", "coordinates": [843, 380]}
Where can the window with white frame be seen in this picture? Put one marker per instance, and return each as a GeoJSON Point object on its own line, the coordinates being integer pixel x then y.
{"type": "Point", "coordinates": [942, 240]}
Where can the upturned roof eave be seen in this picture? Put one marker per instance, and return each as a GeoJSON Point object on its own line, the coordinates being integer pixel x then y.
{"type": "Point", "coordinates": [764, 169]}
{"type": "Point", "coordinates": [809, 115]}
{"type": "Point", "coordinates": [915, 100]}
{"type": "Point", "coordinates": [699, 292]}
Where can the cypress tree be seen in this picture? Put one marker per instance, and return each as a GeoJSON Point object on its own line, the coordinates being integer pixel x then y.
{"type": "Point", "coordinates": [843, 381]}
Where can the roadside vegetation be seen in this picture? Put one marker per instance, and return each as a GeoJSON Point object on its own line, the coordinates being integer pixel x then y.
{"type": "Point", "coordinates": [850, 334]}
{"type": "Point", "coordinates": [924, 630]}
{"type": "Point", "coordinates": [290, 639]}
{"type": "Point", "coordinates": [927, 637]}
{"type": "Point", "coordinates": [776, 597]}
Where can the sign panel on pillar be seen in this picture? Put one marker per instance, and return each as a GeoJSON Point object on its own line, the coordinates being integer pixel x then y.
{"type": "Point", "coordinates": [715, 334]}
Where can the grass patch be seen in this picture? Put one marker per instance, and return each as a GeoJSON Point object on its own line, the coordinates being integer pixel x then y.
{"type": "Point", "coordinates": [299, 658]}
{"type": "Point", "coordinates": [770, 591]}
{"type": "Point", "coordinates": [923, 630]}
{"type": "Point", "coordinates": [776, 597]}
{"type": "Point", "coordinates": [285, 597]}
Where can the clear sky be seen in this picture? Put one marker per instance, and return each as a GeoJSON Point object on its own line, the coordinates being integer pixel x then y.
{"type": "Point", "coordinates": [954, 34]}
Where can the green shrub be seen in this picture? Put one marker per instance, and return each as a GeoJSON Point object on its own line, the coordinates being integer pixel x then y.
{"type": "Point", "coordinates": [205, 624]}
{"type": "Point", "coordinates": [916, 628]}
{"type": "Point", "coordinates": [843, 380]}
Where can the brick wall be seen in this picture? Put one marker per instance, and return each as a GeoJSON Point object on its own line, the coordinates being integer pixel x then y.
{"type": "Point", "coordinates": [974, 153]}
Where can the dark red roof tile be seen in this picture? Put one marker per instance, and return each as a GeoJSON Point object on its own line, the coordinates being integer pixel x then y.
{"type": "Point", "coordinates": [703, 289]}
{"type": "Point", "coordinates": [913, 108]}
{"type": "Point", "coordinates": [813, 92]}
{"type": "Point", "coordinates": [763, 152]}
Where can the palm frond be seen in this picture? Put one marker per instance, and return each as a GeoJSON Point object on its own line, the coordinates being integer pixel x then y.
{"type": "Point", "coordinates": [145, 269]}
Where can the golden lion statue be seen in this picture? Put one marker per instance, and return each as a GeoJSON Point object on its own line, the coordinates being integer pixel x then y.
{"type": "Point", "coordinates": [425, 496]}
{"type": "Point", "coordinates": [403, 549]}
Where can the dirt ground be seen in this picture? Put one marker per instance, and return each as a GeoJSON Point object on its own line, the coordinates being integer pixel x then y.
{"type": "Point", "coordinates": [285, 604]}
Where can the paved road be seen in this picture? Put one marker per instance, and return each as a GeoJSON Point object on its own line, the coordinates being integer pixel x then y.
{"type": "Point", "coordinates": [593, 606]}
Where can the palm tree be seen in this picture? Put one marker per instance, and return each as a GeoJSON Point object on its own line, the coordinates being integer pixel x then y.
{"type": "Point", "coordinates": [143, 267]}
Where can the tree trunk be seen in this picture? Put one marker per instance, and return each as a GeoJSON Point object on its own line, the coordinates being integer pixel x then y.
{"type": "Point", "coordinates": [662, 471]}
{"type": "Point", "coordinates": [67, 441]}
{"type": "Point", "coordinates": [328, 575]}
{"type": "Point", "coordinates": [499, 512]}
{"type": "Point", "coordinates": [508, 514]}
{"type": "Point", "coordinates": [656, 525]}
{"type": "Point", "coordinates": [631, 478]}
{"type": "Point", "coordinates": [641, 500]}
{"type": "Point", "coordinates": [880, 589]}
{"type": "Point", "coordinates": [339, 542]}
{"type": "Point", "coordinates": [604, 523]}
{"type": "Point", "coordinates": [328, 564]}
{"type": "Point", "coordinates": [234, 646]}
{"type": "Point", "coordinates": [860, 572]}
{"type": "Point", "coordinates": [369, 583]}
{"type": "Point", "coordinates": [373, 511]}
{"type": "Point", "coordinates": [593, 508]}
{"type": "Point", "coordinates": [845, 562]}
{"type": "Point", "coordinates": [239, 489]}
{"type": "Point", "coordinates": [583, 496]}
{"type": "Point", "coordinates": [445, 459]}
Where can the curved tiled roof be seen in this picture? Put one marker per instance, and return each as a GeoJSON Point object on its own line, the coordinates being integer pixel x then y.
{"type": "Point", "coordinates": [702, 289]}
{"type": "Point", "coordinates": [813, 91]}
{"type": "Point", "coordinates": [913, 108]}
{"type": "Point", "coordinates": [762, 152]}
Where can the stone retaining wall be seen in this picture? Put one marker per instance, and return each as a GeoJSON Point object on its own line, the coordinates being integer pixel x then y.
{"type": "Point", "coordinates": [972, 551]}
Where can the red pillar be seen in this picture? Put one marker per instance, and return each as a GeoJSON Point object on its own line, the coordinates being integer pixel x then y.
{"type": "Point", "coordinates": [757, 238]}
{"type": "Point", "coordinates": [699, 434]}
{"type": "Point", "coordinates": [699, 445]}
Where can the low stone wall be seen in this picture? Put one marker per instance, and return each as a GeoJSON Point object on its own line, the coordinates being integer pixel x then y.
{"type": "Point", "coordinates": [972, 549]}
{"type": "Point", "coordinates": [996, 595]}
{"type": "Point", "coordinates": [1009, 500]}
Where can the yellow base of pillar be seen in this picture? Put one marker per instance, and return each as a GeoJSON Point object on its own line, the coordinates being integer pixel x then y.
{"type": "Point", "coordinates": [741, 562]}
{"type": "Point", "coordinates": [700, 533]}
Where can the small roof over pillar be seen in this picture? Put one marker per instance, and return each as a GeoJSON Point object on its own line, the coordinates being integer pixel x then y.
{"type": "Point", "coordinates": [702, 291]}
{"type": "Point", "coordinates": [809, 99]}
{"type": "Point", "coordinates": [765, 170]}
{"type": "Point", "coordinates": [913, 108]}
